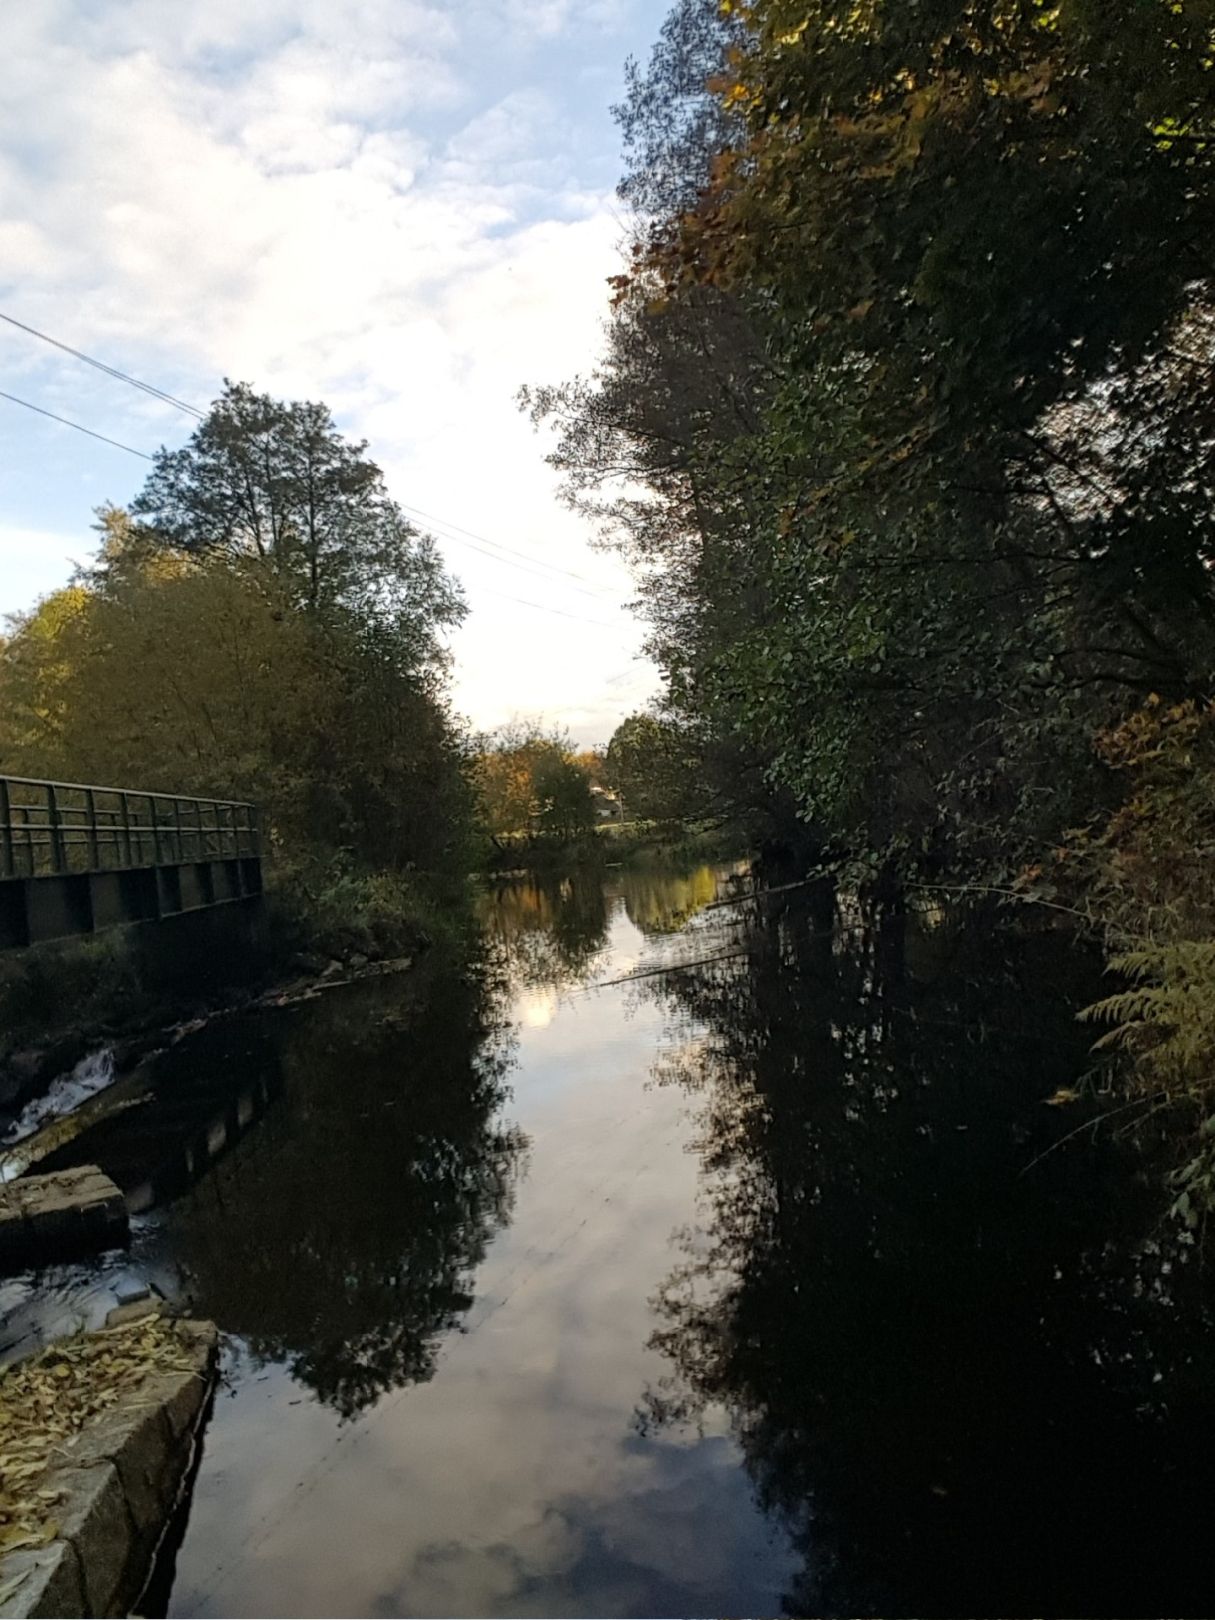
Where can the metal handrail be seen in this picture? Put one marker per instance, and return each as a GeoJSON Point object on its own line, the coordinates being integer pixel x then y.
{"type": "Point", "coordinates": [142, 793]}
{"type": "Point", "coordinates": [55, 828]}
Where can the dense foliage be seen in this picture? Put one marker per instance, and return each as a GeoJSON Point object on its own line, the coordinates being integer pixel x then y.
{"type": "Point", "coordinates": [655, 770]}
{"type": "Point", "coordinates": [265, 625]}
{"type": "Point", "coordinates": [906, 418]}
{"type": "Point", "coordinates": [532, 785]}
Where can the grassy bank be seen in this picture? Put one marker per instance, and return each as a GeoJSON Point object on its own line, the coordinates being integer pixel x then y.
{"type": "Point", "coordinates": [615, 843]}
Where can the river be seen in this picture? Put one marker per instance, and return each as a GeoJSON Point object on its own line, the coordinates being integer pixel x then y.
{"type": "Point", "coordinates": [666, 1256]}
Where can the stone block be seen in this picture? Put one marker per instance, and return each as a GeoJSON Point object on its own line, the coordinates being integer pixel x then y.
{"type": "Point", "coordinates": [180, 1397]}
{"type": "Point", "coordinates": [104, 1223]}
{"type": "Point", "coordinates": [118, 1482]}
{"type": "Point", "coordinates": [141, 1446]}
{"type": "Point", "coordinates": [13, 1235]}
{"type": "Point", "coordinates": [130, 1290]}
{"type": "Point", "coordinates": [53, 1221]}
{"type": "Point", "coordinates": [61, 1213]}
{"type": "Point", "coordinates": [42, 1581]}
{"type": "Point", "coordinates": [134, 1313]}
{"type": "Point", "coordinates": [93, 1516]}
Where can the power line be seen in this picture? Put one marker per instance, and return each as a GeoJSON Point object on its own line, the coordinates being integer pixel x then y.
{"type": "Point", "coordinates": [442, 529]}
{"type": "Point", "coordinates": [110, 371]}
{"type": "Point", "coordinates": [454, 532]}
{"type": "Point", "coordinates": [541, 607]}
{"type": "Point", "coordinates": [473, 535]}
{"type": "Point", "coordinates": [625, 674]}
{"type": "Point", "coordinates": [76, 425]}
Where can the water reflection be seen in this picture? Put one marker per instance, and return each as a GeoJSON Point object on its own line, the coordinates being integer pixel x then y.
{"type": "Point", "coordinates": [661, 901]}
{"type": "Point", "coordinates": [819, 1321]}
{"type": "Point", "coordinates": [161, 1128]}
{"type": "Point", "coordinates": [929, 1350]}
{"type": "Point", "coordinates": [548, 929]}
{"type": "Point", "coordinates": [341, 1236]}
{"type": "Point", "coordinates": [513, 1480]}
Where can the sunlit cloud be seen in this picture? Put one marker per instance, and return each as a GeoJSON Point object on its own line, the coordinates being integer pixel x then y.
{"type": "Point", "coordinates": [332, 202]}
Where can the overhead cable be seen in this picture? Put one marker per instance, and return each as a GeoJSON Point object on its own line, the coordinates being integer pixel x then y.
{"type": "Point", "coordinates": [444, 531]}
{"type": "Point", "coordinates": [542, 607]}
{"type": "Point", "coordinates": [495, 550]}
{"type": "Point", "coordinates": [110, 371]}
{"type": "Point", "coordinates": [498, 544]}
{"type": "Point", "coordinates": [79, 428]}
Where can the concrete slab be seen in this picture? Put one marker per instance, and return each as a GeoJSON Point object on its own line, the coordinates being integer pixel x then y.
{"type": "Point", "coordinates": [42, 1581]}
{"type": "Point", "coordinates": [54, 1216]}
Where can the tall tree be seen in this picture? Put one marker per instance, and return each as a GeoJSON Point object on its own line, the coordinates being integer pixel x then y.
{"type": "Point", "coordinates": [652, 765]}
{"type": "Point", "coordinates": [274, 479]}
{"type": "Point", "coordinates": [529, 780]}
{"type": "Point", "coordinates": [937, 505]}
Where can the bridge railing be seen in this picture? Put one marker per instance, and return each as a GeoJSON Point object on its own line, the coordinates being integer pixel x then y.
{"type": "Point", "coordinates": [56, 828]}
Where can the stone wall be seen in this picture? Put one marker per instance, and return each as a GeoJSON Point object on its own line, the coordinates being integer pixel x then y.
{"type": "Point", "coordinates": [120, 1480]}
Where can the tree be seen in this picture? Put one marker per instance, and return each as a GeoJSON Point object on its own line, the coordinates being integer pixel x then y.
{"type": "Point", "coordinates": [529, 780]}
{"type": "Point", "coordinates": [658, 445]}
{"type": "Point", "coordinates": [945, 213]}
{"type": "Point", "coordinates": [274, 480]}
{"type": "Point", "coordinates": [925, 499]}
{"type": "Point", "coordinates": [591, 762]}
{"type": "Point", "coordinates": [202, 673]}
{"type": "Point", "coordinates": [671, 122]}
{"type": "Point", "coordinates": [652, 767]}
{"type": "Point", "coordinates": [565, 806]}
{"type": "Point", "coordinates": [905, 424]}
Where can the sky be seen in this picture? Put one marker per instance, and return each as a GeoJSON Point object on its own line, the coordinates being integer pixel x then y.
{"type": "Point", "coordinates": [402, 207]}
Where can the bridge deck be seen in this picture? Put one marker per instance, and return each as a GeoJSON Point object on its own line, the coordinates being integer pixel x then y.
{"type": "Point", "coordinates": [77, 858]}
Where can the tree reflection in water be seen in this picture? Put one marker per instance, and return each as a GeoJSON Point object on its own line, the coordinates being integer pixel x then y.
{"type": "Point", "coordinates": [661, 901]}
{"type": "Point", "coordinates": [547, 929]}
{"type": "Point", "coordinates": [932, 1354]}
{"type": "Point", "coordinates": [341, 1236]}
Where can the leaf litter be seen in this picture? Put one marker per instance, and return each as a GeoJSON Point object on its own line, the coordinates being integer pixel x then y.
{"type": "Point", "coordinates": [48, 1399]}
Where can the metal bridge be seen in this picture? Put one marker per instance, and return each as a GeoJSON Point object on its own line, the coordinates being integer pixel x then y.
{"type": "Point", "coordinates": [77, 859]}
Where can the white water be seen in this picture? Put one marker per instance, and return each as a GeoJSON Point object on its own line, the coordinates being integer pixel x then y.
{"type": "Point", "coordinates": [91, 1075]}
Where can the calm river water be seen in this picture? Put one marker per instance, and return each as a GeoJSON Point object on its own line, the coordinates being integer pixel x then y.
{"type": "Point", "coordinates": [756, 1285]}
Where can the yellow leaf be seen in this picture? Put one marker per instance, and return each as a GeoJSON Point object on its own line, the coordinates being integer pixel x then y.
{"type": "Point", "coordinates": [1063, 1096]}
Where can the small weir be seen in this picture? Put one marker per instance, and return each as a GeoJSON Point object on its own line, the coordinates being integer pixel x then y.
{"type": "Point", "coordinates": [66, 1093]}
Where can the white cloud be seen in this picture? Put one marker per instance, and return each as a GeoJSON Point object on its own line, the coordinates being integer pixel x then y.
{"type": "Point", "coordinates": [41, 559]}
{"type": "Point", "coordinates": [286, 193]}
{"type": "Point", "coordinates": [545, 18]}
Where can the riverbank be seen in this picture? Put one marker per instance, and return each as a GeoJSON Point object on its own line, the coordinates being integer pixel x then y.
{"type": "Point", "coordinates": [130, 992]}
{"type": "Point", "coordinates": [133, 991]}
{"type": "Point", "coordinates": [97, 1437]}
{"type": "Point", "coordinates": [616, 844]}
